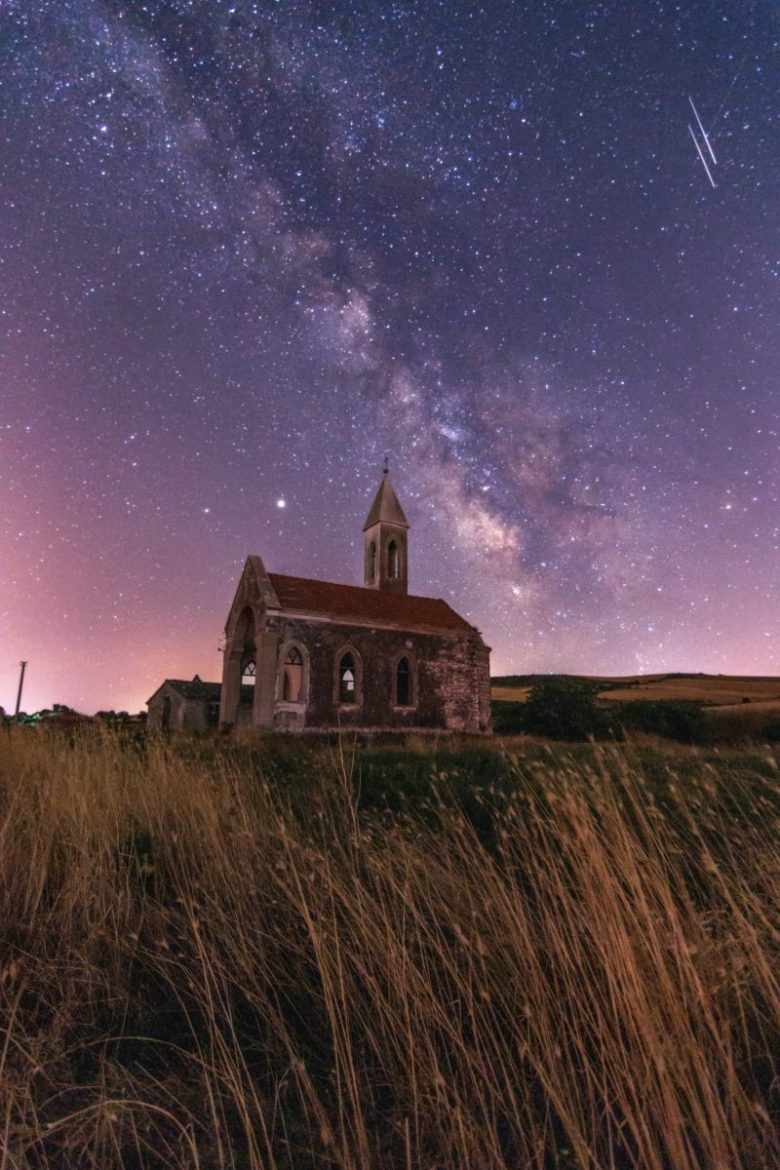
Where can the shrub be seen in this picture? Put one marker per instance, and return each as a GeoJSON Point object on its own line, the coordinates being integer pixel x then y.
{"type": "Point", "coordinates": [508, 717]}
{"type": "Point", "coordinates": [772, 732]}
{"type": "Point", "coordinates": [565, 708]}
{"type": "Point", "coordinates": [674, 719]}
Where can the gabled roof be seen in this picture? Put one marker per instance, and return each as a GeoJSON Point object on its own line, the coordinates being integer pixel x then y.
{"type": "Point", "coordinates": [193, 688]}
{"type": "Point", "coordinates": [366, 606]}
{"type": "Point", "coordinates": [386, 507]}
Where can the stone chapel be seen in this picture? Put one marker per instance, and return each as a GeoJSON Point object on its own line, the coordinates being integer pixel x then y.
{"type": "Point", "coordinates": [314, 655]}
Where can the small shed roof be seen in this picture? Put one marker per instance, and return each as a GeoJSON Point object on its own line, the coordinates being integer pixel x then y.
{"type": "Point", "coordinates": [194, 688]}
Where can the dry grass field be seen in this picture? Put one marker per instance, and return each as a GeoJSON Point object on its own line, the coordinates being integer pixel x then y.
{"type": "Point", "coordinates": [483, 956]}
{"type": "Point", "coordinates": [508, 694]}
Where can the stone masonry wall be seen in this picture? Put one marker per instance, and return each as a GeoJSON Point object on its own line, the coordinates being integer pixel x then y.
{"type": "Point", "coordinates": [186, 714]}
{"type": "Point", "coordinates": [451, 676]}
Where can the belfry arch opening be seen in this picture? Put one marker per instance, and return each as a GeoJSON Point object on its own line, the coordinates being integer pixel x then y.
{"type": "Point", "coordinates": [371, 562]}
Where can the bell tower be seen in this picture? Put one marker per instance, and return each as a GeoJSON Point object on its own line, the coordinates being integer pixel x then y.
{"type": "Point", "coordinates": [385, 538]}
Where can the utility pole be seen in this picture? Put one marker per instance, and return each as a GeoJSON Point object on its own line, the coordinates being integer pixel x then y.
{"type": "Point", "coordinates": [21, 684]}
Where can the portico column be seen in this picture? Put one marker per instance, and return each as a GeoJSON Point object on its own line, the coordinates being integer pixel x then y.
{"type": "Point", "coordinates": [265, 683]}
{"type": "Point", "coordinates": [231, 687]}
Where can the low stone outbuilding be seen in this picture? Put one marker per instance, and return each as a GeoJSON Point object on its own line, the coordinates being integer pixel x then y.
{"type": "Point", "coordinates": [303, 655]}
{"type": "Point", "coordinates": [178, 705]}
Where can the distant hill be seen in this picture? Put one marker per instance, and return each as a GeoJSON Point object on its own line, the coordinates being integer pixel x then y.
{"type": "Point", "coordinates": [713, 690]}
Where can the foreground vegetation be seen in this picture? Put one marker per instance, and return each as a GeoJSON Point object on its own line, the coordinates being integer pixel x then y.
{"type": "Point", "coordinates": [438, 956]}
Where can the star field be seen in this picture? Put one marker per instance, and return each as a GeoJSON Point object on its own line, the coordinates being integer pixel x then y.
{"type": "Point", "coordinates": [249, 248]}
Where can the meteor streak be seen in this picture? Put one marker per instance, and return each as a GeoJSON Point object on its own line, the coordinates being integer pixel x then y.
{"type": "Point", "coordinates": [701, 156]}
{"type": "Point", "coordinates": [709, 173]}
{"type": "Point", "coordinates": [703, 133]}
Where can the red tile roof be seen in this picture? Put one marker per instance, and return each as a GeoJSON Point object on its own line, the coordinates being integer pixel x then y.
{"type": "Point", "coordinates": [351, 602]}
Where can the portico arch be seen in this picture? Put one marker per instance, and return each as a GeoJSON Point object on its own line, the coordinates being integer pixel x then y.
{"type": "Point", "coordinates": [240, 670]}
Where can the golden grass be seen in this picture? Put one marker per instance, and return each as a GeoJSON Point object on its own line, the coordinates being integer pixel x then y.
{"type": "Point", "coordinates": [509, 694]}
{"type": "Point", "coordinates": [721, 691]}
{"type": "Point", "coordinates": [199, 971]}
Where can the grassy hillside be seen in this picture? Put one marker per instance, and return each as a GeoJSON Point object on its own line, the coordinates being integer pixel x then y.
{"type": "Point", "coordinates": [451, 955]}
{"type": "Point", "coordinates": [714, 689]}
{"type": "Point", "coordinates": [732, 708]}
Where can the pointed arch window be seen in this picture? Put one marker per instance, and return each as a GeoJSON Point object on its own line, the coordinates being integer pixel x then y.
{"type": "Point", "coordinates": [292, 677]}
{"type": "Point", "coordinates": [393, 560]}
{"type": "Point", "coordinates": [347, 682]}
{"type": "Point", "coordinates": [403, 684]}
{"type": "Point", "coordinates": [248, 680]}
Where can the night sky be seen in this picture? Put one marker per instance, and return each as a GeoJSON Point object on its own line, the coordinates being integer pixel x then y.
{"type": "Point", "coordinates": [247, 249]}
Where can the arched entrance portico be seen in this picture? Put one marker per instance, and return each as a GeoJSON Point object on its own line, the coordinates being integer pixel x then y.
{"type": "Point", "coordinates": [249, 671]}
{"type": "Point", "coordinates": [239, 678]}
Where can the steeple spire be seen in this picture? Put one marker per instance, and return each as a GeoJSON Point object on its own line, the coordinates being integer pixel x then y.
{"type": "Point", "coordinates": [386, 506]}
{"type": "Point", "coordinates": [385, 539]}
